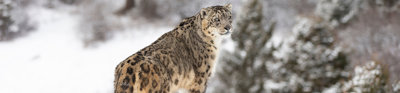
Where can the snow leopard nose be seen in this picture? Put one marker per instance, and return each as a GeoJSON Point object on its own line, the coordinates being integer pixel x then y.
{"type": "Point", "coordinates": [227, 27]}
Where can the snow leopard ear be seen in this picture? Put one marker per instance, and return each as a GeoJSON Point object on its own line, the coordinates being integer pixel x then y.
{"type": "Point", "coordinates": [203, 13]}
{"type": "Point", "coordinates": [228, 6]}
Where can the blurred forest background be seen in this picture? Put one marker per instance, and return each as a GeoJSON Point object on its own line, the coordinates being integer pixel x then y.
{"type": "Point", "coordinates": [278, 46]}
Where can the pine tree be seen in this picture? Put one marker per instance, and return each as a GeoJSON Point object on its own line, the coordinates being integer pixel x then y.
{"type": "Point", "coordinates": [5, 20]}
{"type": "Point", "coordinates": [10, 28]}
{"type": "Point", "coordinates": [246, 73]}
{"type": "Point", "coordinates": [309, 61]}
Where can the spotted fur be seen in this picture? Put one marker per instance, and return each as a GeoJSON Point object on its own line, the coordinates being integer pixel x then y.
{"type": "Point", "coordinates": [180, 59]}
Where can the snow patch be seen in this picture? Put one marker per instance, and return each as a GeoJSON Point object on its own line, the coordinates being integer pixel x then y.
{"type": "Point", "coordinates": [54, 59]}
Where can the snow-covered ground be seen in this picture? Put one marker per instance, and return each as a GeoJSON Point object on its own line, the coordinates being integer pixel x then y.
{"type": "Point", "coordinates": [53, 59]}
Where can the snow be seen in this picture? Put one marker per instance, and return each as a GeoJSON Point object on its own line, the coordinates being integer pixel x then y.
{"type": "Point", "coordinates": [53, 58]}
{"type": "Point", "coordinates": [270, 84]}
{"type": "Point", "coordinates": [396, 87]}
{"type": "Point", "coordinates": [332, 89]}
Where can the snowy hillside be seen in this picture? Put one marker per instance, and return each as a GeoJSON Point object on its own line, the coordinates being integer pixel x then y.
{"type": "Point", "coordinates": [53, 59]}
